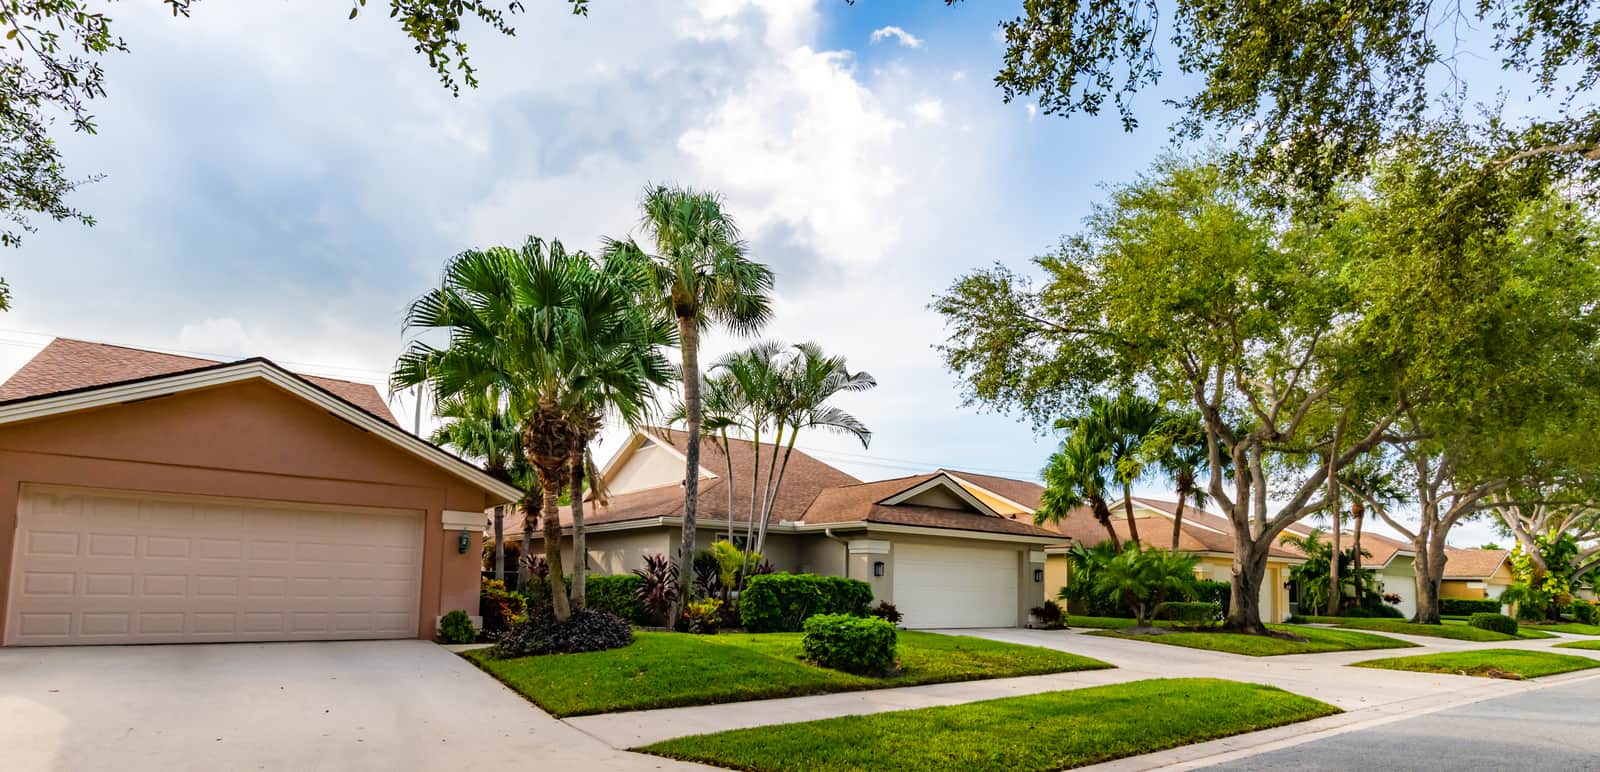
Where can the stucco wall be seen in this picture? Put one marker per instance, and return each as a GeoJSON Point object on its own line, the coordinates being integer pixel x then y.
{"type": "Point", "coordinates": [251, 441]}
{"type": "Point", "coordinates": [1398, 578]}
{"type": "Point", "coordinates": [651, 466]}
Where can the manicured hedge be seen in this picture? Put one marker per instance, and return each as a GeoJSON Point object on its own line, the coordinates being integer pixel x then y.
{"type": "Point", "coordinates": [1499, 623]}
{"type": "Point", "coordinates": [1191, 613]}
{"type": "Point", "coordinates": [1584, 612]}
{"type": "Point", "coordinates": [774, 603]}
{"type": "Point", "coordinates": [1461, 607]}
{"type": "Point", "coordinates": [862, 645]}
{"type": "Point", "coordinates": [1220, 593]}
{"type": "Point", "coordinates": [615, 594]}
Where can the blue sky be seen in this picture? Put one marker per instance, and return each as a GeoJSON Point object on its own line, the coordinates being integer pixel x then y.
{"type": "Point", "coordinates": [280, 181]}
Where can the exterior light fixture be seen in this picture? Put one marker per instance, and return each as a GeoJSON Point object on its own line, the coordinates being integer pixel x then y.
{"type": "Point", "coordinates": [1038, 575]}
{"type": "Point", "coordinates": [464, 542]}
{"type": "Point", "coordinates": [877, 568]}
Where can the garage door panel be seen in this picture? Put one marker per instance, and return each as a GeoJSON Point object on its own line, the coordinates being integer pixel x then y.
{"type": "Point", "coordinates": [938, 586]}
{"type": "Point", "coordinates": [99, 567]}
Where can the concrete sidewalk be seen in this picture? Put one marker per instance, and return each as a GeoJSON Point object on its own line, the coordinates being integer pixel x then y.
{"type": "Point", "coordinates": [1363, 693]}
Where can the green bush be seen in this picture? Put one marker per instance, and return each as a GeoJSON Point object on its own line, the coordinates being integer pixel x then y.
{"type": "Point", "coordinates": [779, 603]}
{"type": "Point", "coordinates": [861, 645]}
{"type": "Point", "coordinates": [1583, 612]}
{"type": "Point", "coordinates": [1211, 590]}
{"type": "Point", "coordinates": [616, 594]}
{"type": "Point", "coordinates": [456, 627]}
{"type": "Point", "coordinates": [1462, 607]}
{"type": "Point", "coordinates": [1379, 611]}
{"type": "Point", "coordinates": [1197, 612]}
{"type": "Point", "coordinates": [1499, 623]}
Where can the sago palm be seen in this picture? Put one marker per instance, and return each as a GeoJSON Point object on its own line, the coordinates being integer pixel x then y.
{"type": "Point", "coordinates": [699, 273]}
{"type": "Point", "coordinates": [546, 328]}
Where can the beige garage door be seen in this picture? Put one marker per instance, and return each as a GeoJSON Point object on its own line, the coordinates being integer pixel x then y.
{"type": "Point", "coordinates": [937, 586]}
{"type": "Point", "coordinates": [97, 567]}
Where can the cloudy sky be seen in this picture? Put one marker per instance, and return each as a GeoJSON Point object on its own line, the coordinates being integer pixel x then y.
{"type": "Point", "coordinates": [280, 181]}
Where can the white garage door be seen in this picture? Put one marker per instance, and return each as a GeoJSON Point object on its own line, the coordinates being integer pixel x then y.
{"type": "Point", "coordinates": [97, 567]}
{"type": "Point", "coordinates": [937, 586]}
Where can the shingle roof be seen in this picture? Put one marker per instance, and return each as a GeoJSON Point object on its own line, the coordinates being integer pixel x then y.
{"type": "Point", "coordinates": [1201, 531]}
{"type": "Point", "coordinates": [859, 503]}
{"type": "Point", "coordinates": [67, 364]}
{"type": "Point", "coordinates": [1472, 563]}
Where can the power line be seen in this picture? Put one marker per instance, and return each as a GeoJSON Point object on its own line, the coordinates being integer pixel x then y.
{"type": "Point", "coordinates": [377, 374]}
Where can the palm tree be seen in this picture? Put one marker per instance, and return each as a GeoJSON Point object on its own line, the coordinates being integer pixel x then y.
{"type": "Point", "coordinates": [700, 274]}
{"type": "Point", "coordinates": [804, 384]}
{"type": "Point", "coordinates": [1076, 477]}
{"type": "Point", "coordinates": [1120, 426]}
{"type": "Point", "coordinates": [547, 329]}
{"type": "Point", "coordinates": [477, 426]}
{"type": "Point", "coordinates": [1372, 484]}
{"type": "Point", "coordinates": [752, 378]}
{"type": "Point", "coordinates": [1178, 448]}
{"type": "Point", "coordinates": [722, 410]}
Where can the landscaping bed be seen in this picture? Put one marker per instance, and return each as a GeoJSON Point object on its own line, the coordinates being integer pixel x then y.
{"type": "Point", "coordinates": [664, 670]}
{"type": "Point", "coordinates": [1317, 640]}
{"type": "Point", "coordinates": [1489, 663]}
{"type": "Point", "coordinates": [1049, 731]}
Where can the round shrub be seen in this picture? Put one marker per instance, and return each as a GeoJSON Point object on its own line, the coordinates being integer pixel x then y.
{"type": "Point", "coordinates": [1194, 613]}
{"type": "Point", "coordinates": [1499, 623]}
{"type": "Point", "coordinates": [586, 630]}
{"type": "Point", "coordinates": [861, 645]}
{"type": "Point", "coordinates": [456, 627]}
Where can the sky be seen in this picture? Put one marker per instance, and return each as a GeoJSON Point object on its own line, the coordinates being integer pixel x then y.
{"type": "Point", "coordinates": [279, 181]}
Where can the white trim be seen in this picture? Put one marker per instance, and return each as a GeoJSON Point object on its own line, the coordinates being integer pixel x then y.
{"type": "Point", "coordinates": [942, 480]}
{"type": "Point", "coordinates": [1036, 556]}
{"type": "Point", "coordinates": [455, 519]}
{"type": "Point", "coordinates": [238, 372]}
{"type": "Point", "coordinates": [953, 533]}
{"type": "Point", "coordinates": [965, 482]}
{"type": "Point", "coordinates": [869, 546]}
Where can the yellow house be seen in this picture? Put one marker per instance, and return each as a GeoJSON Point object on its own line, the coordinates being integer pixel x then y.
{"type": "Point", "coordinates": [1476, 574]}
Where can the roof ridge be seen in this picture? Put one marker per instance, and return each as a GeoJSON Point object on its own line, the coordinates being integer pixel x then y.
{"type": "Point", "coordinates": [140, 349]}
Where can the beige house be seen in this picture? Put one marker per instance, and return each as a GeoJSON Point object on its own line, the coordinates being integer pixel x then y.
{"type": "Point", "coordinates": [1476, 574]}
{"type": "Point", "coordinates": [946, 550]}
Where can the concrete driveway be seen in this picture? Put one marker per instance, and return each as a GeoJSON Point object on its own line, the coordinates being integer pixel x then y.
{"type": "Point", "coordinates": [382, 705]}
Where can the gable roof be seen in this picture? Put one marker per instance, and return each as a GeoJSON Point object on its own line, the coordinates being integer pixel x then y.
{"type": "Point", "coordinates": [872, 503]}
{"type": "Point", "coordinates": [66, 365]}
{"type": "Point", "coordinates": [86, 397]}
{"type": "Point", "coordinates": [1473, 564]}
{"type": "Point", "coordinates": [1201, 531]}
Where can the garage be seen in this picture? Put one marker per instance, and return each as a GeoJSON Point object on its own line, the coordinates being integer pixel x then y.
{"type": "Point", "coordinates": [106, 567]}
{"type": "Point", "coordinates": [153, 498]}
{"type": "Point", "coordinates": [937, 586]}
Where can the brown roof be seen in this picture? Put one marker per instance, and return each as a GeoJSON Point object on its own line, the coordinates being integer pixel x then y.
{"type": "Point", "coordinates": [1472, 564]}
{"type": "Point", "coordinates": [1380, 549]}
{"type": "Point", "coordinates": [1201, 531]}
{"type": "Point", "coordinates": [1023, 492]}
{"type": "Point", "coordinates": [860, 503]}
{"type": "Point", "coordinates": [66, 364]}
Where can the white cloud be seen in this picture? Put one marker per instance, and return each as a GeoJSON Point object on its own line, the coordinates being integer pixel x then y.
{"type": "Point", "coordinates": [225, 336]}
{"type": "Point", "coordinates": [930, 110]}
{"type": "Point", "coordinates": [1033, 110]}
{"type": "Point", "coordinates": [906, 39]}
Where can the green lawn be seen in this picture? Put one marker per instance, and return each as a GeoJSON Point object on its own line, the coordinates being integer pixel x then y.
{"type": "Point", "coordinates": [1570, 627]}
{"type": "Point", "coordinates": [1101, 623]}
{"type": "Point", "coordinates": [1049, 731]}
{"type": "Point", "coordinates": [1318, 640]}
{"type": "Point", "coordinates": [1454, 632]}
{"type": "Point", "coordinates": [1484, 662]}
{"type": "Point", "coordinates": [1593, 645]}
{"type": "Point", "coordinates": [664, 670]}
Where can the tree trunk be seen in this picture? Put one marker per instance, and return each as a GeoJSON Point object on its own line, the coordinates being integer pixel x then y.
{"type": "Point", "coordinates": [500, 543]}
{"type": "Point", "coordinates": [552, 554]}
{"type": "Point", "coordinates": [727, 454]}
{"type": "Point", "coordinates": [1103, 514]}
{"type": "Point", "coordinates": [1427, 592]}
{"type": "Point", "coordinates": [777, 485]}
{"type": "Point", "coordinates": [1335, 587]}
{"type": "Point", "coordinates": [1127, 506]}
{"type": "Point", "coordinates": [771, 489]}
{"type": "Point", "coordinates": [1177, 519]}
{"type": "Point", "coordinates": [1249, 572]}
{"type": "Point", "coordinates": [755, 485]}
{"type": "Point", "coordinates": [580, 547]}
{"type": "Point", "coordinates": [689, 340]}
{"type": "Point", "coordinates": [530, 513]}
{"type": "Point", "coordinates": [1358, 512]}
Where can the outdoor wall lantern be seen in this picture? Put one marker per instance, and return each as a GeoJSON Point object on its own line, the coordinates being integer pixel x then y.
{"type": "Point", "coordinates": [877, 568]}
{"type": "Point", "coordinates": [465, 541]}
{"type": "Point", "coordinates": [1038, 575]}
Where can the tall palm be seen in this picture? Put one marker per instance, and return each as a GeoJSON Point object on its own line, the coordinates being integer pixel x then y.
{"type": "Point", "coordinates": [478, 426]}
{"type": "Point", "coordinates": [805, 383]}
{"type": "Point", "coordinates": [752, 377]}
{"type": "Point", "coordinates": [1178, 449]}
{"type": "Point", "coordinates": [1074, 477]}
{"type": "Point", "coordinates": [1121, 425]}
{"type": "Point", "coordinates": [545, 328]}
{"type": "Point", "coordinates": [1372, 484]}
{"type": "Point", "coordinates": [722, 413]}
{"type": "Point", "coordinates": [699, 273]}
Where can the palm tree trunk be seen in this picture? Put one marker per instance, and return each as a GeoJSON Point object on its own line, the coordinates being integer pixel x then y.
{"type": "Point", "coordinates": [689, 341]}
{"type": "Point", "coordinates": [552, 554]}
{"type": "Point", "coordinates": [580, 547]}
{"type": "Point", "coordinates": [1177, 519]}
{"type": "Point", "coordinates": [727, 453]}
{"type": "Point", "coordinates": [782, 467]}
{"type": "Point", "coordinates": [766, 495]}
{"type": "Point", "coordinates": [755, 480]}
{"type": "Point", "coordinates": [530, 513]}
{"type": "Point", "coordinates": [1102, 513]}
{"type": "Point", "coordinates": [1358, 512]}
{"type": "Point", "coordinates": [1127, 506]}
{"type": "Point", "coordinates": [500, 543]}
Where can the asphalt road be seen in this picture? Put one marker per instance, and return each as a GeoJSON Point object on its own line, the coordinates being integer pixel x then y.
{"type": "Point", "coordinates": [1550, 729]}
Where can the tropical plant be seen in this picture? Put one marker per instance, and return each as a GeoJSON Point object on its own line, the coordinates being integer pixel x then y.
{"type": "Point", "coordinates": [1083, 565]}
{"type": "Point", "coordinates": [703, 616]}
{"type": "Point", "coordinates": [658, 589]}
{"type": "Point", "coordinates": [477, 426]}
{"type": "Point", "coordinates": [1358, 588]}
{"type": "Point", "coordinates": [889, 613]}
{"type": "Point", "coordinates": [699, 274]}
{"type": "Point", "coordinates": [548, 330]}
{"type": "Point", "coordinates": [1074, 477]}
{"type": "Point", "coordinates": [1178, 448]}
{"type": "Point", "coordinates": [1371, 483]}
{"type": "Point", "coordinates": [1122, 424]}
{"type": "Point", "coordinates": [1144, 577]}
{"type": "Point", "coordinates": [586, 629]}
{"type": "Point", "coordinates": [456, 628]}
